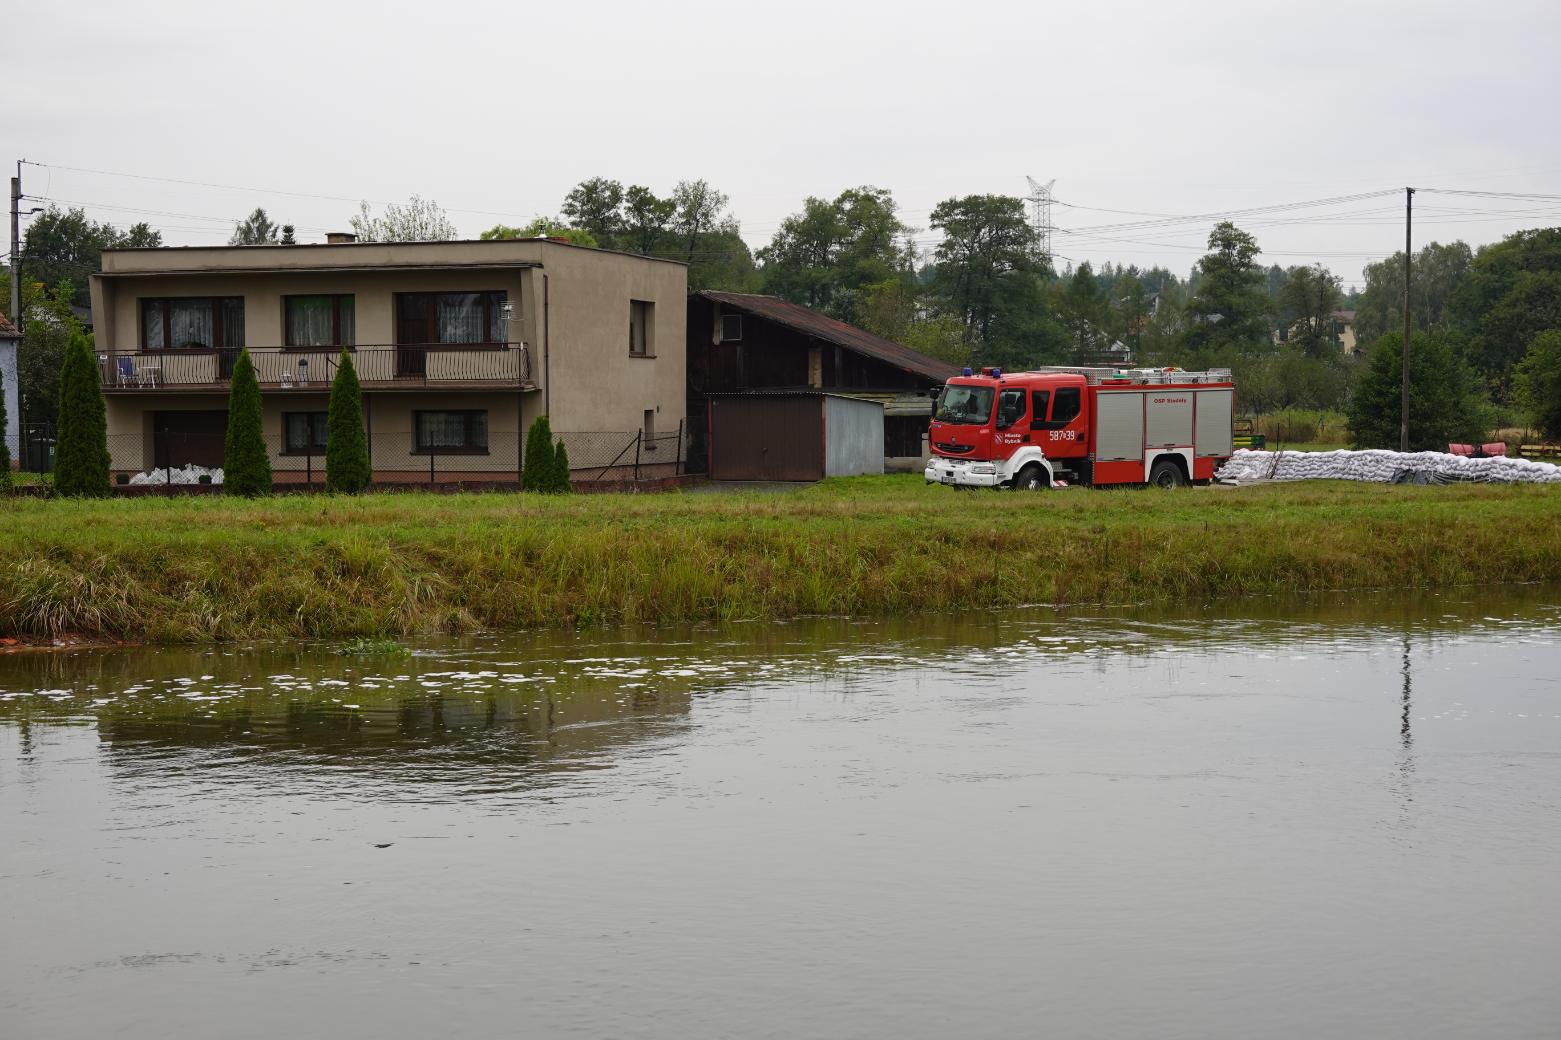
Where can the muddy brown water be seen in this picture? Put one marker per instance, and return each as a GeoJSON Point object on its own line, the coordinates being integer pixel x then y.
{"type": "Point", "coordinates": [1337, 817]}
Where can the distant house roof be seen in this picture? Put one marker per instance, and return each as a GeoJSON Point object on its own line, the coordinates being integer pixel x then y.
{"type": "Point", "coordinates": [812, 323]}
{"type": "Point", "coordinates": [7, 330]}
{"type": "Point", "coordinates": [1348, 317]}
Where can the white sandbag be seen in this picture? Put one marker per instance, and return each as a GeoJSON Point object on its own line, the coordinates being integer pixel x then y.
{"type": "Point", "coordinates": [190, 474]}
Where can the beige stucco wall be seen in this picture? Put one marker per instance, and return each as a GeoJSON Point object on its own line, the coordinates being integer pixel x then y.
{"type": "Point", "coordinates": [571, 310]}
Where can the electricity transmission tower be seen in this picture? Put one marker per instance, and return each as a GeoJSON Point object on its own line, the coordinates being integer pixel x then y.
{"type": "Point", "coordinates": [1040, 199]}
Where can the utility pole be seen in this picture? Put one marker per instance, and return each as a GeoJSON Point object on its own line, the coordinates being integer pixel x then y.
{"type": "Point", "coordinates": [1403, 397]}
{"type": "Point", "coordinates": [16, 249]}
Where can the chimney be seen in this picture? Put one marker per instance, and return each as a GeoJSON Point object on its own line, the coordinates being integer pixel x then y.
{"type": "Point", "coordinates": [340, 238]}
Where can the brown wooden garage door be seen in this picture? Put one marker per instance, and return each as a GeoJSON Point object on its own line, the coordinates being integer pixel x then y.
{"type": "Point", "coordinates": [767, 438]}
{"type": "Point", "coordinates": [189, 438]}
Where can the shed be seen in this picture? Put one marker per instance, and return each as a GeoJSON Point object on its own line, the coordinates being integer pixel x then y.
{"type": "Point", "coordinates": [743, 342]}
{"type": "Point", "coordinates": [794, 436]}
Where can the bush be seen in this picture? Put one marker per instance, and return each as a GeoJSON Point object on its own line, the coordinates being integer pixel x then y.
{"type": "Point", "coordinates": [561, 470]}
{"type": "Point", "coordinates": [347, 468]}
{"type": "Point", "coordinates": [81, 451]}
{"type": "Point", "coordinates": [1441, 408]}
{"type": "Point", "coordinates": [539, 471]}
{"type": "Point", "coordinates": [246, 467]}
{"type": "Point", "coordinates": [1539, 383]}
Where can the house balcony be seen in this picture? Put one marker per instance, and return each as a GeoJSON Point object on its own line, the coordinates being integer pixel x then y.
{"type": "Point", "coordinates": [488, 366]}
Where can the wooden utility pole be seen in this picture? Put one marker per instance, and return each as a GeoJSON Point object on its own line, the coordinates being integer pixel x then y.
{"type": "Point", "coordinates": [1403, 397]}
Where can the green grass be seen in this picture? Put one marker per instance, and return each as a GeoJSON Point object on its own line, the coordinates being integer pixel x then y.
{"type": "Point", "coordinates": [381, 566]}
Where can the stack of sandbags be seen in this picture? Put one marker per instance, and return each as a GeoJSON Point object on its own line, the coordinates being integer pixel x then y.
{"type": "Point", "coordinates": [190, 474]}
{"type": "Point", "coordinates": [1384, 467]}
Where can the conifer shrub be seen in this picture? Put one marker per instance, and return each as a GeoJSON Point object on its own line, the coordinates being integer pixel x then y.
{"type": "Point", "coordinates": [561, 470]}
{"type": "Point", "coordinates": [246, 467]}
{"type": "Point", "coordinates": [81, 451]}
{"type": "Point", "coordinates": [537, 472]}
{"type": "Point", "coordinates": [347, 469]}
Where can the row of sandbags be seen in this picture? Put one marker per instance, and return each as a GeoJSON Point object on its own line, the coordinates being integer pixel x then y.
{"type": "Point", "coordinates": [1385, 467]}
{"type": "Point", "coordinates": [190, 474]}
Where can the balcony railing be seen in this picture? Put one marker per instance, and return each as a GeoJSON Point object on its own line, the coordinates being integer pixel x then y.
{"type": "Point", "coordinates": [379, 366]}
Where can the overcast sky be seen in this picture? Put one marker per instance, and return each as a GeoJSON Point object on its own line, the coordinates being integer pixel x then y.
{"type": "Point", "coordinates": [496, 109]}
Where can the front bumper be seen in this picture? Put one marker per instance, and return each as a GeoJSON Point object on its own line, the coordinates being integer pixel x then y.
{"type": "Point", "coordinates": [963, 472]}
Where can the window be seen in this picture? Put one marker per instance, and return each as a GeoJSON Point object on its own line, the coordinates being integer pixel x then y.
{"type": "Point", "coordinates": [1010, 408]}
{"type": "Point", "coordinates": [451, 433]}
{"type": "Point", "coordinates": [1065, 406]}
{"type": "Point", "coordinates": [192, 323]}
{"type": "Point", "coordinates": [965, 405]}
{"type": "Point", "coordinates": [731, 328]}
{"type": "Point", "coordinates": [304, 433]}
{"type": "Point", "coordinates": [475, 318]}
{"type": "Point", "coordinates": [642, 328]}
{"type": "Point", "coordinates": [319, 321]}
{"type": "Point", "coordinates": [1038, 402]}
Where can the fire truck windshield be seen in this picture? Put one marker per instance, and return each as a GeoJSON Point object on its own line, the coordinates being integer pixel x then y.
{"type": "Point", "coordinates": [965, 405]}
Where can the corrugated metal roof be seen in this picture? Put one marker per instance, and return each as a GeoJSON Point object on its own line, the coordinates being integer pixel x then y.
{"type": "Point", "coordinates": [811, 322]}
{"type": "Point", "coordinates": [7, 330]}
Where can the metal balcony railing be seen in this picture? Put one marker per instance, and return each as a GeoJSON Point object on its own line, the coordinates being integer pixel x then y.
{"type": "Point", "coordinates": [443, 366]}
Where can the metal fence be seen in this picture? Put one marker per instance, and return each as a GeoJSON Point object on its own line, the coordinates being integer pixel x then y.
{"type": "Point", "coordinates": [170, 460]}
{"type": "Point", "coordinates": [306, 368]}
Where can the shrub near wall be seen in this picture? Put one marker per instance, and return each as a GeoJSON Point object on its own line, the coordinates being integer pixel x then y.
{"type": "Point", "coordinates": [246, 468]}
{"type": "Point", "coordinates": [81, 453]}
{"type": "Point", "coordinates": [347, 467]}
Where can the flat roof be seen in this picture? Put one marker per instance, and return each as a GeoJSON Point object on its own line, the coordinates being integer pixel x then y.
{"type": "Point", "coordinates": [398, 245]}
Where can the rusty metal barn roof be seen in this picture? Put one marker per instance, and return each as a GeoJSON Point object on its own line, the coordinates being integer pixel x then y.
{"type": "Point", "coordinates": [812, 323]}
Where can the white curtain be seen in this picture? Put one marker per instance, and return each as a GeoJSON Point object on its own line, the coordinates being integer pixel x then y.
{"type": "Point", "coordinates": [460, 318]}
{"type": "Point", "coordinates": [190, 323]}
{"type": "Point", "coordinates": [311, 321]}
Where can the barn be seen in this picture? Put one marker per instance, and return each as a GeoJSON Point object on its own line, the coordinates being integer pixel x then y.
{"type": "Point", "coordinates": [745, 343]}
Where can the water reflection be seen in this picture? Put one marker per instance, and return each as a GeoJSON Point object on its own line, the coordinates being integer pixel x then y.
{"type": "Point", "coordinates": [1103, 821]}
{"type": "Point", "coordinates": [520, 712]}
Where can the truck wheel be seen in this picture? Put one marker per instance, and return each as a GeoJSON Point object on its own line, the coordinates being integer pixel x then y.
{"type": "Point", "coordinates": [1031, 478]}
{"type": "Point", "coordinates": [1166, 474]}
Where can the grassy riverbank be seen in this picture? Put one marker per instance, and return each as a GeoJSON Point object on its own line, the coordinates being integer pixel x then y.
{"type": "Point", "coordinates": [199, 569]}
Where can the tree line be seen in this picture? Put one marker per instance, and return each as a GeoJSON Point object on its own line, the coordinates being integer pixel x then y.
{"type": "Point", "coordinates": [987, 294]}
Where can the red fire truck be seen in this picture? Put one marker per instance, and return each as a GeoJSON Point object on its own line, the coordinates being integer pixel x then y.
{"type": "Point", "coordinates": [1093, 426]}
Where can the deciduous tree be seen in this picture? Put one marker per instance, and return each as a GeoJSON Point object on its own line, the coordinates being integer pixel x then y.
{"type": "Point", "coordinates": [1512, 294]}
{"type": "Point", "coordinates": [1228, 313]}
{"type": "Point", "coordinates": [420, 220]}
{"type": "Point", "coordinates": [1307, 299]}
{"type": "Point", "coordinates": [1442, 408]}
{"type": "Point", "coordinates": [1539, 382]}
{"type": "Point", "coordinates": [65, 246]}
{"type": "Point", "coordinates": [596, 205]}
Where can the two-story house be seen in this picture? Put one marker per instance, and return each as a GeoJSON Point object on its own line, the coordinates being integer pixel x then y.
{"type": "Point", "coordinates": [458, 346]}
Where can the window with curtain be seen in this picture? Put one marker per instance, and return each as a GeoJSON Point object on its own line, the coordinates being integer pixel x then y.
{"type": "Point", "coordinates": [451, 432]}
{"type": "Point", "coordinates": [319, 321]}
{"type": "Point", "coordinates": [192, 323]}
{"type": "Point", "coordinates": [305, 432]}
{"type": "Point", "coordinates": [455, 318]}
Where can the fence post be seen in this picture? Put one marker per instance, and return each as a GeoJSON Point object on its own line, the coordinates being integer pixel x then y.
{"type": "Point", "coordinates": [677, 461]}
{"type": "Point", "coordinates": [309, 465]}
{"type": "Point", "coordinates": [639, 439]}
{"type": "Point", "coordinates": [430, 467]}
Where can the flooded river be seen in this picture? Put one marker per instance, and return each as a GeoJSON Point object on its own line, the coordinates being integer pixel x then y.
{"type": "Point", "coordinates": [1333, 818]}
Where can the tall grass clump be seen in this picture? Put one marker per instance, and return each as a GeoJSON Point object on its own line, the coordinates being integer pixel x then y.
{"type": "Point", "coordinates": [246, 466]}
{"type": "Point", "coordinates": [81, 457]}
{"type": "Point", "coordinates": [347, 466]}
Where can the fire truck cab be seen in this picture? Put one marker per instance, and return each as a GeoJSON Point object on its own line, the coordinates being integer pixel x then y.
{"type": "Point", "coordinates": [1035, 430]}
